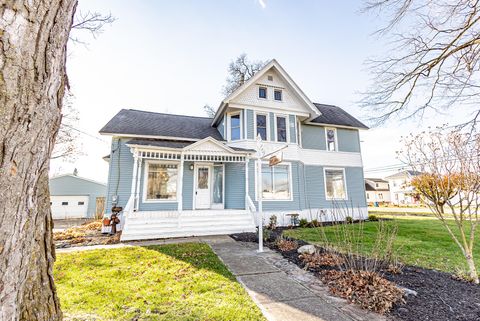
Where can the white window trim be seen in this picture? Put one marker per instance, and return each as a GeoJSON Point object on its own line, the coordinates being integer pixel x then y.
{"type": "Point", "coordinates": [290, 184]}
{"type": "Point", "coordinates": [287, 127]}
{"type": "Point", "coordinates": [229, 123]}
{"type": "Point", "coordinates": [266, 92]}
{"type": "Point", "coordinates": [325, 169]}
{"type": "Point", "coordinates": [267, 115]}
{"type": "Point", "coordinates": [145, 182]}
{"type": "Point", "coordinates": [299, 132]}
{"type": "Point", "coordinates": [326, 139]}
{"type": "Point", "coordinates": [278, 89]}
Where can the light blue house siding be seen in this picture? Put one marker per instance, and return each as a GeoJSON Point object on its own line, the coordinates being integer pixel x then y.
{"type": "Point", "coordinates": [250, 124]}
{"type": "Point", "coordinates": [70, 185]}
{"type": "Point", "coordinates": [313, 137]}
{"type": "Point", "coordinates": [221, 127]}
{"type": "Point", "coordinates": [119, 174]}
{"type": "Point", "coordinates": [308, 186]}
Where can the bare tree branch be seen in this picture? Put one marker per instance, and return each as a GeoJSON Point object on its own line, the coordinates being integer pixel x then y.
{"type": "Point", "coordinates": [240, 70]}
{"type": "Point", "coordinates": [92, 22]}
{"type": "Point", "coordinates": [433, 61]}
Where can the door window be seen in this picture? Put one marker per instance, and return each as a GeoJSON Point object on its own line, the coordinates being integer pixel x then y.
{"type": "Point", "coordinates": [202, 182]}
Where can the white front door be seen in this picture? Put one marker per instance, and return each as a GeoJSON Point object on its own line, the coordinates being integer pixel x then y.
{"type": "Point", "coordinates": [202, 187]}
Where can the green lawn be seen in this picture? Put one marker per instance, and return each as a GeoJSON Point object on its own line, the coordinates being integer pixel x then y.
{"type": "Point", "coordinates": [168, 282]}
{"type": "Point", "coordinates": [422, 242]}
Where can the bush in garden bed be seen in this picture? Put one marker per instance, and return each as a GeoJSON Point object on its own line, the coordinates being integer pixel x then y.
{"type": "Point", "coordinates": [367, 289]}
{"type": "Point", "coordinates": [319, 259]}
{"type": "Point", "coordinates": [285, 245]}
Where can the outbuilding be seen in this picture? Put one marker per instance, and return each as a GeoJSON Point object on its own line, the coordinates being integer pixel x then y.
{"type": "Point", "coordinates": [72, 196]}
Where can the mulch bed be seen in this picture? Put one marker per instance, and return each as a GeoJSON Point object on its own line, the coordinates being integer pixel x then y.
{"type": "Point", "coordinates": [439, 295]}
{"type": "Point", "coordinates": [86, 234]}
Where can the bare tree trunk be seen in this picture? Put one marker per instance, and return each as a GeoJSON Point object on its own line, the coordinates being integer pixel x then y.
{"type": "Point", "coordinates": [472, 270]}
{"type": "Point", "coordinates": [33, 38]}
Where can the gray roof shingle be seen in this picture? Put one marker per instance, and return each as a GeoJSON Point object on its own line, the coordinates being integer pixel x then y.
{"type": "Point", "coordinates": [145, 123]}
{"type": "Point", "coordinates": [334, 115]}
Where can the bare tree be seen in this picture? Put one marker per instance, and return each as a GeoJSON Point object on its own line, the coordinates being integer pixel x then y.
{"type": "Point", "coordinates": [450, 163]}
{"type": "Point", "coordinates": [90, 22]}
{"type": "Point", "coordinates": [239, 71]}
{"type": "Point", "coordinates": [32, 85]}
{"type": "Point", "coordinates": [209, 110]}
{"type": "Point", "coordinates": [432, 61]}
{"type": "Point", "coordinates": [66, 144]}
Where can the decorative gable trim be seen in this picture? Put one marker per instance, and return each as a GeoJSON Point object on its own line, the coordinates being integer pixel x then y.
{"type": "Point", "coordinates": [272, 64]}
{"type": "Point", "coordinates": [212, 145]}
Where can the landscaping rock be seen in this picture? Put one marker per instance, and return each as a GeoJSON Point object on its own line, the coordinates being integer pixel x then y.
{"type": "Point", "coordinates": [408, 292]}
{"type": "Point", "coordinates": [306, 249]}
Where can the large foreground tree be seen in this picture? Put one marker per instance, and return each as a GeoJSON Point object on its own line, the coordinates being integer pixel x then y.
{"type": "Point", "coordinates": [33, 39]}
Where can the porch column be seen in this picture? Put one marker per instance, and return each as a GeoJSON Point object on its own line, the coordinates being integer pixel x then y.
{"type": "Point", "coordinates": [137, 192]}
{"type": "Point", "coordinates": [180, 184]}
{"type": "Point", "coordinates": [134, 176]}
{"type": "Point", "coordinates": [246, 182]}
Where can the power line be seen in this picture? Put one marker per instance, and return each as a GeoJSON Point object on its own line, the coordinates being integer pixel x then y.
{"type": "Point", "coordinates": [85, 133]}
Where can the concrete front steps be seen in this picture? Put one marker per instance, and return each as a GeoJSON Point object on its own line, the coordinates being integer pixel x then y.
{"type": "Point", "coordinates": [168, 224]}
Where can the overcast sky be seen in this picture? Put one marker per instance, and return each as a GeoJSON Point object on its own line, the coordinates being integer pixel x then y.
{"type": "Point", "coordinates": [172, 56]}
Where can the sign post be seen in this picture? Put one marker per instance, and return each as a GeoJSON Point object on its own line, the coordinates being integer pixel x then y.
{"type": "Point", "coordinates": [273, 160]}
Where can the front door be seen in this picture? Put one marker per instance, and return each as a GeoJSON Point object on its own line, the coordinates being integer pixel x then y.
{"type": "Point", "coordinates": [203, 188]}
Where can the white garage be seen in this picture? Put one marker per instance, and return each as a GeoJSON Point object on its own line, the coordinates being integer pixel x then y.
{"type": "Point", "coordinates": [72, 196]}
{"type": "Point", "coordinates": [64, 207]}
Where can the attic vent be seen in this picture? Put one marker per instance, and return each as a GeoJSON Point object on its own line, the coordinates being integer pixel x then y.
{"type": "Point", "coordinates": [270, 77]}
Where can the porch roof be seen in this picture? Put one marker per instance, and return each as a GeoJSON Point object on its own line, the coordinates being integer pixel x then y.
{"type": "Point", "coordinates": [170, 144]}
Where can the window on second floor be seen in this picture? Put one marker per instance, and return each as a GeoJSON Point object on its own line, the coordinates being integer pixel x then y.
{"type": "Point", "coordinates": [281, 129]}
{"type": "Point", "coordinates": [331, 134]}
{"type": "Point", "coordinates": [277, 94]}
{"type": "Point", "coordinates": [262, 92]}
{"type": "Point", "coordinates": [235, 127]}
{"type": "Point", "coordinates": [262, 126]}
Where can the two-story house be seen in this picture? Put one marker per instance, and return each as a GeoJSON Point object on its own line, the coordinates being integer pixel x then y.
{"type": "Point", "coordinates": [377, 191]}
{"type": "Point", "coordinates": [402, 193]}
{"type": "Point", "coordinates": [181, 176]}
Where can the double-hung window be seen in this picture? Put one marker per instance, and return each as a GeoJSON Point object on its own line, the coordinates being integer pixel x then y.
{"type": "Point", "coordinates": [161, 181]}
{"type": "Point", "coordinates": [335, 184]}
{"type": "Point", "coordinates": [331, 134]}
{"type": "Point", "coordinates": [277, 95]}
{"type": "Point", "coordinates": [262, 126]}
{"type": "Point", "coordinates": [281, 129]}
{"type": "Point", "coordinates": [262, 92]}
{"type": "Point", "coordinates": [276, 182]}
{"type": "Point", "coordinates": [235, 127]}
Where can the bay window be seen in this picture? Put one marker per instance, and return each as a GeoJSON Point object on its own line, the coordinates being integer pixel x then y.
{"type": "Point", "coordinates": [276, 182]}
{"type": "Point", "coordinates": [335, 184]}
{"type": "Point", "coordinates": [161, 181]}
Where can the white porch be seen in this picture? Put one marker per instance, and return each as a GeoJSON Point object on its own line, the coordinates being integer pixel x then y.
{"type": "Point", "coordinates": [167, 224]}
{"type": "Point", "coordinates": [205, 162]}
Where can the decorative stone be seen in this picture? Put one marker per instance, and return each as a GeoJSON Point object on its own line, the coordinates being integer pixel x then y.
{"type": "Point", "coordinates": [408, 292]}
{"type": "Point", "coordinates": [306, 249]}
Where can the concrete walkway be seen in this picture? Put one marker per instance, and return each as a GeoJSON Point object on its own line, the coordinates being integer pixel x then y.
{"type": "Point", "coordinates": [281, 289]}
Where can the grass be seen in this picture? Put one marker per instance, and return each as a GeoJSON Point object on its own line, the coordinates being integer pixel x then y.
{"type": "Point", "coordinates": [168, 282]}
{"type": "Point", "coordinates": [423, 242]}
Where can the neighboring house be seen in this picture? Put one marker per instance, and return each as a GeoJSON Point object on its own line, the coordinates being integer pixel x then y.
{"type": "Point", "coordinates": [182, 175]}
{"type": "Point", "coordinates": [402, 193]}
{"type": "Point", "coordinates": [377, 191]}
{"type": "Point", "coordinates": [72, 196]}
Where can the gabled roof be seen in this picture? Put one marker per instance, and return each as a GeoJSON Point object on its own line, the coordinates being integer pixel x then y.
{"type": "Point", "coordinates": [376, 180]}
{"type": "Point", "coordinates": [131, 122]}
{"type": "Point", "coordinates": [405, 173]}
{"type": "Point", "coordinates": [333, 115]}
{"type": "Point", "coordinates": [77, 177]}
{"type": "Point", "coordinates": [271, 64]}
{"type": "Point", "coordinates": [370, 187]}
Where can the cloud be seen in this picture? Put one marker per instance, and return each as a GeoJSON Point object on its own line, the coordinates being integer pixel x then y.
{"type": "Point", "coordinates": [262, 3]}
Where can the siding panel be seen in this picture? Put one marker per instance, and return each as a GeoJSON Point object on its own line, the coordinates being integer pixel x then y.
{"type": "Point", "coordinates": [293, 133]}
{"type": "Point", "coordinates": [313, 137]}
{"type": "Point", "coordinates": [234, 185]}
{"type": "Point", "coordinates": [348, 140]}
{"type": "Point", "coordinates": [250, 124]}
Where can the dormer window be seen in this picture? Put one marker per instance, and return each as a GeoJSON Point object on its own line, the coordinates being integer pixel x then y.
{"type": "Point", "coordinates": [277, 94]}
{"type": "Point", "coordinates": [262, 92]}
